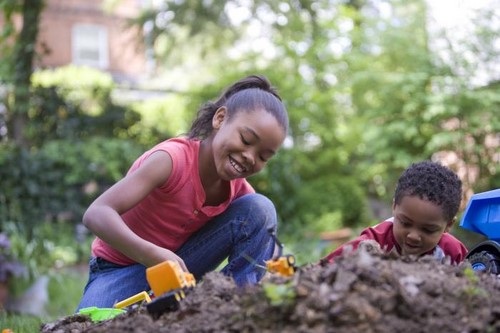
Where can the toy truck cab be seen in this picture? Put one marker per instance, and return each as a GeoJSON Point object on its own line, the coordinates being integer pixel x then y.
{"type": "Point", "coordinates": [482, 215]}
{"type": "Point", "coordinates": [168, 282]}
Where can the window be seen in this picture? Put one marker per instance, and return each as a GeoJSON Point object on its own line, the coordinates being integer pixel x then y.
{"type": "Point", "coordinates": [90, 45]}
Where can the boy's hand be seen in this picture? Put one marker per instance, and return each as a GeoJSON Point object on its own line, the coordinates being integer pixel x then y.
{"type": "Point", "coordinates": [371, 246]}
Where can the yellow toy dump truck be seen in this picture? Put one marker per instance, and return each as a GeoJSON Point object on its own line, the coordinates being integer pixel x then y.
{"type": "Point", "coordinates": [280, 264]}
{"type": "Point", "coordinates": [168, 284]}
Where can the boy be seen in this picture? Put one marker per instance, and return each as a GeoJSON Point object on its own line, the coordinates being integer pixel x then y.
{"type": "Point", "coordinates": [425, 203]}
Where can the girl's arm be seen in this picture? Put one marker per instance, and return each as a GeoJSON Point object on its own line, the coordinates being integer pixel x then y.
{"type": "Point", "coordinates": [103, 215]}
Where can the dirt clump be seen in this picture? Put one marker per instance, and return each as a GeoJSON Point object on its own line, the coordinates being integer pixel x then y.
{"type": "Point", "coordinates": [365, 291]}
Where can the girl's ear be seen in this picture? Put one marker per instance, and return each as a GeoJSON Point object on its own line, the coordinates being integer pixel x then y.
{"type": "Point", "coordinates": [450, 224]}
{"type": "Point", "coordinates": [219, 117]}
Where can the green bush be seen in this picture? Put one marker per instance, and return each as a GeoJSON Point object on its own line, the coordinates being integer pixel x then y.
{"type": "Point", "coordinates": [31, 188]}
{"type": "Point", "coordinates": [60, 180]}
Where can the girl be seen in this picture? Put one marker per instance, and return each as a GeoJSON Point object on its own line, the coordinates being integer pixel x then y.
{"type": "Point", "coordinates": [187, 199]}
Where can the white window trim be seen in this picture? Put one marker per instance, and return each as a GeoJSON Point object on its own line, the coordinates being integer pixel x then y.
{"type": "Point", "coordinates": [102, 45]}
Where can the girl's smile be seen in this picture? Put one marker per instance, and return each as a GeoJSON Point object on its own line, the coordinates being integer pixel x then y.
{"type": "Point", "coordinates": [243, 144]}
{"type": "Point", "coordinates": [237, 166]}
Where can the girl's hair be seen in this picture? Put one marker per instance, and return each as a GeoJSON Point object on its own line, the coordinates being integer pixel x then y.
{"type": "Point", "coordinates": [247, 94]}
{"type": "Point", "coordinates": [433, 182]}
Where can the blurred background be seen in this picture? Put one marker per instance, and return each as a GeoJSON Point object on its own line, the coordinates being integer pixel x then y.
{"type": "Point", "coordinates": [370, 85]}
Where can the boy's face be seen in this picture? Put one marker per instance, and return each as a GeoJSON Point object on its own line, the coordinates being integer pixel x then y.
{"type": "Point", "coordinates": [418, 225]}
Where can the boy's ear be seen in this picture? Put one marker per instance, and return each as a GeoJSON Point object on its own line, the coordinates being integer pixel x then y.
{"type": "Point", "coordinates": [450, 224]}
{"type": "Point", "coordinates": [219, 117]}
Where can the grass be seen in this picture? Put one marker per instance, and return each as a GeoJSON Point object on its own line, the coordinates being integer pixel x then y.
{"type": "Point", "coordinates": [65, 289]}
{"type": "Point", "coordinates": [19, 324]}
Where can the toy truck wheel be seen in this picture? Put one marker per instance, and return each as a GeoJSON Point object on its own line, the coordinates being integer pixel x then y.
{"type": "Point", "coordinates": [485, 261]}
{"type": "Point", "coordinates": [164, 303]}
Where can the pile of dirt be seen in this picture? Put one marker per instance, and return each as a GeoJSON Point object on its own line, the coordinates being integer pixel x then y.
{"type": "Point", "coordinates": [365, 291]}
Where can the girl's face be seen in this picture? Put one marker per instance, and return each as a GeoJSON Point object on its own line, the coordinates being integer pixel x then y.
{"type": "Point", "coordinates": [418, 225]}
{"type": "Point", "coordinates": [244, 144]}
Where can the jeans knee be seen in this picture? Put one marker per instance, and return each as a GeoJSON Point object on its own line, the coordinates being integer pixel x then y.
{"type": "Point", "coordinates": [262, 210]}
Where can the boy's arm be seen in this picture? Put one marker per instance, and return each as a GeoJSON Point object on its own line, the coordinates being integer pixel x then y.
{"type": "Point", "coordinates": [381, 233]}
{"type": "Point", "coordinates": [349, 246]}
{"type": "Point", "coordinates": [453, 248]}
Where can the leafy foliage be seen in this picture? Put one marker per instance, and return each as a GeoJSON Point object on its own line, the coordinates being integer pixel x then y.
{"type": "Point", "coordinates": [30, 183]}
{"type": "Point", "coordinates": [9, 266]}
{"type": "Point", "coordinates": [60, 180]}
{"type": "Point", "coordinates": [161, 118]}
{"type": "Point", "coordinates": [73, 154]}
{"type": "Point", "coordinates": [366, 93]}
{"type": "Point", "coordinates": [52, 246]}
{"type": "Point", "coordinates": [279, 294]}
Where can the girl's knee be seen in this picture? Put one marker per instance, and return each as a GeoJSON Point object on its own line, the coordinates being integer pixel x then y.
{"type": "Point", "coordinates": [262, 209]}
{"type": "Point", "coordinates": [262, 203]}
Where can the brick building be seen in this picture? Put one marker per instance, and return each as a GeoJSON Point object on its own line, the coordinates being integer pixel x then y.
{"type": "Point", "coordinates": [83, 32]}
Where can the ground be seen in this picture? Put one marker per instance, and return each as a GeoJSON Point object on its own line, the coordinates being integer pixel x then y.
{"type": "Point", "coordinates": [365, 291]}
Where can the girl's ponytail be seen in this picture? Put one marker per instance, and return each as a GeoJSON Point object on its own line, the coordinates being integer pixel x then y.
{"type": "Point", "coordinates": [248, 93]}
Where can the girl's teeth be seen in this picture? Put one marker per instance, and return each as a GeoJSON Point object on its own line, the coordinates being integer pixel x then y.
{"type": "Point", "coordinates": [236, 166]}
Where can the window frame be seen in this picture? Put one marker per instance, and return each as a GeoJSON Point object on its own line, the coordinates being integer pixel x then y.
{"type": "Point", "coordinates": [101, 45]}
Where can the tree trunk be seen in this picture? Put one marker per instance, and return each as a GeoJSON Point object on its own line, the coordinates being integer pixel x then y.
{"type": "Point", "coordinates": [24, 54]}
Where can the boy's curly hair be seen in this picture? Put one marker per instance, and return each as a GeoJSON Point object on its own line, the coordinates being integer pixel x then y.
{"type": "Point", "coordinates": [433, 182]}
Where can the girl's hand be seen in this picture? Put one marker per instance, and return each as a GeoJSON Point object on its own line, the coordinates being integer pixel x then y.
{"type": "Point", "coordinates": [162, 255]}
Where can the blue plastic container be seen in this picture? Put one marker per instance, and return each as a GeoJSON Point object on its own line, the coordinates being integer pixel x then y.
{"type": "Point", "coordinates": [482, 214]}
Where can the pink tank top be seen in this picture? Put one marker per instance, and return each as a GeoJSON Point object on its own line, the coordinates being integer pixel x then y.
{"type": "Point", "coordinates": [170, 214]}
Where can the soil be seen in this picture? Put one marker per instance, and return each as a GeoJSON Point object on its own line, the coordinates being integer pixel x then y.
{"type": "Point", "coordinates": [365, 291]}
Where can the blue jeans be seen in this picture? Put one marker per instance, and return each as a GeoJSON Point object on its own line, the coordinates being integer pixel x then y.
{"type": "Point", "coordinates": [240, 234]}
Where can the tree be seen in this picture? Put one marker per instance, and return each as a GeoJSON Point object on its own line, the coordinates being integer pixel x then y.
{"type": "Point", "coordinates": [22, 64]}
